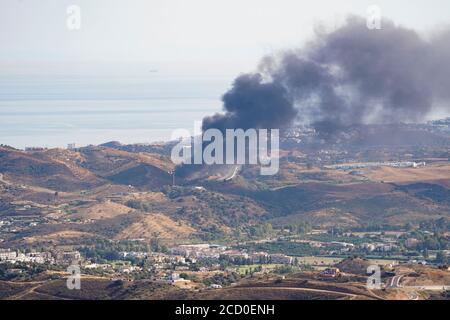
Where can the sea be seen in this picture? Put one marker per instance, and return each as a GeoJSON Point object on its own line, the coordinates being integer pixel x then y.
{"type": "Point", "coordinates": [54, 111]}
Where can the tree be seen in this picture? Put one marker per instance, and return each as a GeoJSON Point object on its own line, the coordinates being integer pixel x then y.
{"type": "Point", "coordinates": [425, 253]}
{"type": "Point", "coordinates": [441, 257]}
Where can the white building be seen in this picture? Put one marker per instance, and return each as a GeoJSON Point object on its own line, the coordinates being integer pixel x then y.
{"type": "Point", "coordinates": [7, 254]}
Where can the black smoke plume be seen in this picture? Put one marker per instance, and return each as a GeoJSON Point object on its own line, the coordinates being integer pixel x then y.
{"type": "Point", "coordinates": [350, 76]}
{"type": "Point", "coordinates": [251, 103]}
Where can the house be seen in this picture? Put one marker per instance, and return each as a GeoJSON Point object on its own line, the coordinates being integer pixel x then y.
{"type": "Point", "coordinates": [97, 266]}
{"type": "Point", "coordinates": [215, 286]}
{"type": "Point", "coordinates": [7, 254]}
{"type": "Point", "coordinates": [182, 268]}
{"type": "Point", "coordinates": [235, 255]}
{"type": "Point", "coordinates": [281, 259]}
{"type": "Point", "coordinates": [330, 273]}
{"type": "Point", "coordinates": [175, 278]}
{"type": "Point", "coordinates": [130, 269]}
{"type": "Point", "coordinates": [68, 257]}
{"type": "Point", "coordinates": [259, 257]}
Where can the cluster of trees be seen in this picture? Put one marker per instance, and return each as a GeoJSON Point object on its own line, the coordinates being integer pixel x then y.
{"type": "Point", "coordinates": [230, 212]}
{"type": "Point", "coordinates": [442, 257]}
{"type": "Point", "coordinates": [174, 192]}
{"type": "Point", "coordinates": [139, 205]}
{"type": "Point", "coordinates": [261, 230]}
{"type": "Point", "coordinates": [437, 226]}
{"type": "Point", "coordinates": [300, 228]}
{"type": "Point", "coordinates": [285, 269]}
{"type": "Point", "coordinates": [285, 247]}
{"type": "Point", "coordinates": [430, 241]}
{"type": "Point", "coordinates": [27, 271]}
{"type": "Point", "coordinates": [222, 279]}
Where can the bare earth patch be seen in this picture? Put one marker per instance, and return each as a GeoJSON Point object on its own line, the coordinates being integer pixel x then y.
{"type": "Point", "coordinates": [156, 224]}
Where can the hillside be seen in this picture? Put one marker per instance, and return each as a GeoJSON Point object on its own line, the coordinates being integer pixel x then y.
{"type": "Point", "coordinates": [63, 170]}
{"type": "Point", "coordinates": [106, 192]}
{"type": "Point", "coordinates": [53, 169]}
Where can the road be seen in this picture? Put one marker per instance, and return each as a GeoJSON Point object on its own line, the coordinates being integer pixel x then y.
{"type": "Point", "coordinates": [352, 295]}
{"type": "Point", "coordinates": [284, 187]}
{"type": "Point", "coordinates": [395, 283]}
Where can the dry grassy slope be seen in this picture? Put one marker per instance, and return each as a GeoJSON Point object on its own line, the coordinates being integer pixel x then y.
{"type": "Point", "coordinates": [101, 210]}
{"type": "Point", "coordinates": [145, 171]}
{"type": "Point", "coordinates": [326, 204]}
{"type": "Point", "coordinates": [107, 220]}
{"type": "Point", "coordinates": [330, 217]}
{"type": "Point", "coordinates": [141, 226]}
{"type": "Point", "coordinates": [225, 211]}
{"type": "Point", "coordinates": [64, 170]}
{"type": "Point", "coordinates": [53, 169]}
{"type": "Point", "coordinates": [92, 288]}
{"type": "Point", "coordinates": [354, 266]}
{"type": "Point", "coordinates": [426, 276]}
{"type": "Point", "coordinates": [107, 161]}
{"type": "Point", "coordinates": [59, 237]}
{"type": "Point", "coordinates": [154, 197]}
{"type": "Point", "coordinates": [439, 171]}
{"type": "Point", "coordinates": [156, 224]}
{"type": "Point", "coordinates": [97, 288]}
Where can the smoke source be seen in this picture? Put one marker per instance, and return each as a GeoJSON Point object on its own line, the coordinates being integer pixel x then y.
{"type": "Point", "coordinates": [352, 75]}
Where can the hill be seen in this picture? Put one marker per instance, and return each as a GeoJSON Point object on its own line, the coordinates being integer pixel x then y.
{"type": "Point", "coordinates": [55, 169]}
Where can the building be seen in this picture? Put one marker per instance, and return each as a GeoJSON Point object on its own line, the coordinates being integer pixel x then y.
{"type": "Point", "coordinates": [260, 257]}
{"type": "Point", "coordinates": [330, 273]}
{"type": "Point", "coordinates": [68, 257]}
{"type": "Point", "coordinates": [215, 286]}
{"type": "Point", "coordinates": [130, 269]}
{"type": "Point", "coordinates": [411, 242]}
{"type": "Point", "coordinates": [198, 250]}
{"type": "Point", "coordinates": [97, 266]}
{"type": "Point", "coordinates": [7, 254]}
{"type": "Point", "coordinates": [175, 278]}
{"type": "Point", "coordinates": [235, 255]}
{"type": "Point", "coordinates": [281, 259]}
{"type": "Point", "coordinates": [181, 268]}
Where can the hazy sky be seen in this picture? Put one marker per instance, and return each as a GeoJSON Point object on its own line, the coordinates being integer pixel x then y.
{"type": "Point", "coordinates": [192, 37]}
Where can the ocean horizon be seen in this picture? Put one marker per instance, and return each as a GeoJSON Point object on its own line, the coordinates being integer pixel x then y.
{"type": "Point", "coordinates": [73, 110]}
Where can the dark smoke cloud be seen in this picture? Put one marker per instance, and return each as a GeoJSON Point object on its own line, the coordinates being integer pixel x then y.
{"type": "Point", "coordinates": [349, 76]}
{"type": "Point", "coordinates": [254, 104]}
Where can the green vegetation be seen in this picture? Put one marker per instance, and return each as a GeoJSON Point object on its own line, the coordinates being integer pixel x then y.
{"type": "Point", "coordinates": [103, 251]}
{"type": "Point", "coordinates": [285, 247]}
{"type": "Point", "coordinates": [222, 279]}
{"type": "Point", "coordinates": [442, 257]}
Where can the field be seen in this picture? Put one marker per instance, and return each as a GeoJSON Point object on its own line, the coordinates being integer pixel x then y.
{"type": "Point", "coordinates": [252, 267]}
{"type": "Point", "coordinates": [438, 172]}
